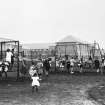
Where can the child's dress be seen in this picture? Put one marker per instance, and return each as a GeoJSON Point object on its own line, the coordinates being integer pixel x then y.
{"type": "Point", "coordinates": [6, 66]}
{"type": "Point", "coordinates": [35, 81]}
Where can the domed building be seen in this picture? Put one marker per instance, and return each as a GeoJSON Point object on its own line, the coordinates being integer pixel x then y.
{"type": "Point", "coordinates": [71, 46]}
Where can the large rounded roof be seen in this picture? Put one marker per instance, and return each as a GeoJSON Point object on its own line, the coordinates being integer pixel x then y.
{"type": "Point", "coordinates": [71, 38]}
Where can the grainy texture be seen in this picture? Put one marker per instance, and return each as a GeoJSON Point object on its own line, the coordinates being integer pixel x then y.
{"type": "Point", "coordinates": [57, 89]}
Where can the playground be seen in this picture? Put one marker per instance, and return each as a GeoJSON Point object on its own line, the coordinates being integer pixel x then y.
{"type": "Point", "coordinates": [56, 89]}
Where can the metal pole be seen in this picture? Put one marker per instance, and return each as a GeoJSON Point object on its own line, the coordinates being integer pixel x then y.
{"type": "Point", "coordinates": [94, 50]}
{"type": "Point", "coordinates": [99, 50]}
{"type": "Point", "coordinates": [1, 51]}
{"type": "Point", "coordinates": [80, 49]}
{"type": "Point", "coordinates": [31, 54]}
{"type": "Point", "coordinates": [18, 62]}
{"type": "Point", "coordinates": [55, 57]}
{"type": "Point", "coordinates": [65, 50]}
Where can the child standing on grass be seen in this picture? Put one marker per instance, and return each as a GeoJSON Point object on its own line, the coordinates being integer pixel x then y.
{"type": "Point", "coordinates": [35, 82]}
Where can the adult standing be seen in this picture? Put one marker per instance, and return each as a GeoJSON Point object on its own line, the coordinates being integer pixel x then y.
{"type": "Point", "coordinates": [46, 66]}
{"type": "Point", "coordinates": [9, 56]}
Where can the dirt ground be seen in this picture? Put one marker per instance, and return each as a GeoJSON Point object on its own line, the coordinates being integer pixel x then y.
{"type": "Point", "coordinates": [98, 93]}
{"type": "Point", "coordinates": [57, 89]}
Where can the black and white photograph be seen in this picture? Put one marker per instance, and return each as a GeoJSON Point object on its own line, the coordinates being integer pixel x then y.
{"type": "Point", "coordinates": [52, 52]}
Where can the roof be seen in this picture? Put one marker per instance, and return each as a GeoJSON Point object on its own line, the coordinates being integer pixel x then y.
{"type": "Point", "coordinates": [37, 45]}
{"type": "Point", "coordinates": [5, 39]}
{"type": "Point", "coordinates": [71, 38]}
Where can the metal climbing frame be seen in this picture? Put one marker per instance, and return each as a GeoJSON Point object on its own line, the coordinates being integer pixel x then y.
{"type": "Point", "coordinates": [3, 50]}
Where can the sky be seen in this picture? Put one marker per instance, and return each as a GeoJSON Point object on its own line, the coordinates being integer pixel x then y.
{"type": "Point", "coordinates": [36, 21]}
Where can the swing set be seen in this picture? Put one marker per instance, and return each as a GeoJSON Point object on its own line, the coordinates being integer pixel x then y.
{"type": "Point", "coordinates": [77, 50]}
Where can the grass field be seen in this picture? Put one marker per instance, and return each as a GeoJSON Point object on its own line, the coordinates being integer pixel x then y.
{"type": "Point", "coordinates": [57, 89]}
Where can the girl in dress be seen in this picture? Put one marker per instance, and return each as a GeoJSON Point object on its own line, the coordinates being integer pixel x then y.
{"type": "Point", "coordinates": [35, 82]}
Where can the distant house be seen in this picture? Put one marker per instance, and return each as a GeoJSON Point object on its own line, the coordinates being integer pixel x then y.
{"type": "Point", "coordinates": [69, 46]}
{"type": "Point", "coordinates": [73, 47]}
{"type": "Point", "coordinates": [37, 50]}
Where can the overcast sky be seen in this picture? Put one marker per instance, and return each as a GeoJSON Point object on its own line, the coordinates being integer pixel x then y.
{"type": "Point", "coordinates": [50, 20]}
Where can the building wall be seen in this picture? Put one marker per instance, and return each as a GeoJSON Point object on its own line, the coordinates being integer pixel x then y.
{"type": "Point", "coordinates": [35, 53]}
{"type": "Point", "coordinates": [84, 50]}
{"type": "Point", "coordinates": [66, 50]}
{"type": "Point", "coordinates": [73, 49]}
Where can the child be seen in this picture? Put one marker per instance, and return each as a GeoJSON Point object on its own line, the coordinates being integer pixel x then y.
{"type": "Point", "coordinates": [40, 68]}
{"type": "Point", "coordinates": [0, 70]}
{"type": "Point", "coordinates": [102, 66]}
{"type": "Point", "coordinates": [35, 82]}
{"type": "Point", "coordinates": [80, 65]}
{"type": "Point", "coordinates": [72, 61]}
{"type": "Point", "coordinates": [68, 66]}
{"type": "Point", "coordinates": [97, 64]}
{"type": "Point", "coordinates": [32, 69]}
{"type": "Point", "coordinates": [6, 68]}
{"type": "Point", "coordinates": [46, 66]}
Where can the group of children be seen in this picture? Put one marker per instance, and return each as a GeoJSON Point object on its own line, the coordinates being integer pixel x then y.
{"type": "Point", "coordinates": [69, 64]}
{"type": "Point", "coordinates": [36, 71]}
